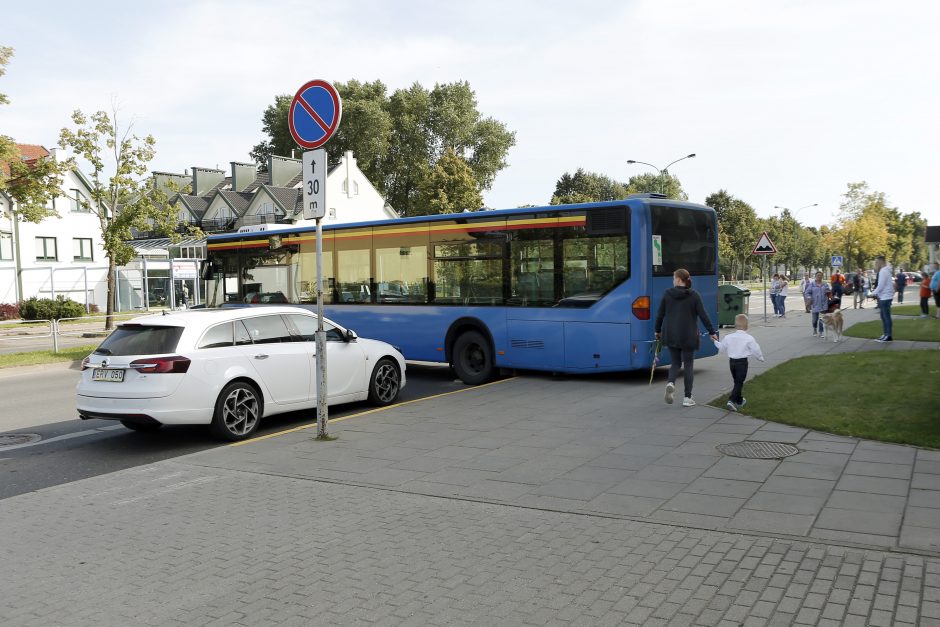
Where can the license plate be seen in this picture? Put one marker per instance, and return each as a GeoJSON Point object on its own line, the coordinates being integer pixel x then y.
{"type": "Point", "coordinates": [112, 375]}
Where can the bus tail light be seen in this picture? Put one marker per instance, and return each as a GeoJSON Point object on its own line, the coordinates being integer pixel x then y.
{"type": "Point", "coordinates": [641, 308]}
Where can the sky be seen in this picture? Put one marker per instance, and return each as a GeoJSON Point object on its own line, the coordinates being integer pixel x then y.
{"type": "Point", "coordinates": [783, 102]}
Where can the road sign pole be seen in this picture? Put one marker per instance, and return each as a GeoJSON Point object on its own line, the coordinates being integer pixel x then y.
{"type": "Point", "coordinates": [763, 265]}
{"type": "Point", "coordinates": [322, 416]}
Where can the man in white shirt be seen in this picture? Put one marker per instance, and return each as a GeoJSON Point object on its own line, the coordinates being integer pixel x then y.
{"type": "Point", "coordinates": [884, 292]}
{"type": "Point", "coordinates": [739, 345]}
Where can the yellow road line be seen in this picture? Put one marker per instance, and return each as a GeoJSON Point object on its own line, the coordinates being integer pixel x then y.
{"type": "Point", "coordinates": [365, 413]}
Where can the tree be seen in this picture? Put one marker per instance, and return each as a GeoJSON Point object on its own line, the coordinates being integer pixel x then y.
{"type": "Point", "coordinates": [448, 188]}
{"type": "Point", "coordinates": [663, 183]}
{"type": "Point", "coordinates": [585, 186]}
{"type": "Point", "coordinates": [738, 230]}
{"type": "Point", "coordinates": [31, 184]}
{"type": "Point", "coordinates": [274, 124]}
{"type": "Point", "coordinates": [123, 197]}
{"type": "Point", "coordinates": [398, 139]}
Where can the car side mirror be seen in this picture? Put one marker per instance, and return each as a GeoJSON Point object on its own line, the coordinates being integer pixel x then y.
{"type": "Point", "coordinates": [351, 335]}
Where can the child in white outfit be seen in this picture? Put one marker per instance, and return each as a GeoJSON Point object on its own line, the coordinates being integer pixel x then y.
{"type": "Point", "coordinates": [739, 346]}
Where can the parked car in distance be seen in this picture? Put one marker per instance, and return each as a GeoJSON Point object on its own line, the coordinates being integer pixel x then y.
{"type": "Point", "coordinates": [229, 368]}
{"type": "Point", "coordinates": [914, 278]}
{"type": "Point", "coordinates": [848, 288]}
{"type": "Point", "coordinates": [266, 298]}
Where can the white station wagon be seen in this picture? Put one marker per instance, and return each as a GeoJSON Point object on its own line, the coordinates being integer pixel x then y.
{"type": "Point", "coordinates": [228, 368]}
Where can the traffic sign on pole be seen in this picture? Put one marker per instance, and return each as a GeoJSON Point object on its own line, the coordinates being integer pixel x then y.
{"type": "Point", "coordinates": [764, 246]}
{"type": "Point", "coordinates": [314, 163]}
{"type": "Point", "coordinates": [836, 261]}
{"type": "Point", "coordinates": [314, 114]}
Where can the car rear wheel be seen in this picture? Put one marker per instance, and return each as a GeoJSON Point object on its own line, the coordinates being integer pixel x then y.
{"type": "Point", "coordinates": [385, 383]}
{"type": "Point", "coordinates": [237, 411]}
{"type": "Point", "coordinates": [143, 428]}
{"type": "Point", "coordinates": [473, 358]}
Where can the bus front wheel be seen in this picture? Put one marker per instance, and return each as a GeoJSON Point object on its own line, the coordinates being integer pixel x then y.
{"type": "Point", "coordinates": [473, 358]}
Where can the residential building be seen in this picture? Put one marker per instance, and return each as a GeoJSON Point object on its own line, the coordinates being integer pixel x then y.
{"type": "Point", "coordinates": [61, 255]}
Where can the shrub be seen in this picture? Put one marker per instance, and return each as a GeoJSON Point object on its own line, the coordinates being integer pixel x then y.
{"type": "Point", "coordinates": [9, 311]}
{"type": "Point", "coordinates": [50, 309]}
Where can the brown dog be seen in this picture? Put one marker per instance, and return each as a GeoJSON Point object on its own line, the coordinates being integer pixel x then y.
{"type": "Point", "coordinates": [833, 322]}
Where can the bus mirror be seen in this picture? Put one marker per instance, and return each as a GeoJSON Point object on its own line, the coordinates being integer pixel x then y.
{"type": "Point", "coordinates": [206, 270]}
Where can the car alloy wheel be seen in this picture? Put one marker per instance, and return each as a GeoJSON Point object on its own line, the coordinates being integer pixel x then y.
{"type": "Point", "coordinates": [385, 383]}
{"type": "Point", "coordinates": [237, 411]}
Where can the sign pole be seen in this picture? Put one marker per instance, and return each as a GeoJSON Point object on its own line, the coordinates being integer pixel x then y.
{"type": "Point", "coordinates": [313, 118]}
{"type": "Point", "coordinates": [763, 264]}
{"type": "Point", "coordinates": [322, 411]}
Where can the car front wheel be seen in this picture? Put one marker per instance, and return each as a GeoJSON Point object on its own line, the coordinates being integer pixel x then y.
{"type": "Point", "coordinates": [385, 383]}
{"type": "Point", "coordinates": [237, 411]}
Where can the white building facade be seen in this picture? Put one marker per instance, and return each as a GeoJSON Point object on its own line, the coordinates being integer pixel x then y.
{"type": "Point", "coordinates": [58, 256]}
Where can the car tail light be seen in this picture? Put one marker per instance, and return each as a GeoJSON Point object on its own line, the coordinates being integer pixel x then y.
{"type": "Point", "coordinates": [174, 364]}
{"type": "Point", "coordinates": [641, 308]}
{"type": "Point", "coordinates": [85, 364]}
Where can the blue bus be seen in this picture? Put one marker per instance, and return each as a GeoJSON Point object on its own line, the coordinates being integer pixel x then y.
{"type": "Point", "coordinates": [563, 288]}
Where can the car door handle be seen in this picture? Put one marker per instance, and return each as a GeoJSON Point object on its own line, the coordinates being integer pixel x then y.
{"type": "Point", "coordinates": [261, 356]}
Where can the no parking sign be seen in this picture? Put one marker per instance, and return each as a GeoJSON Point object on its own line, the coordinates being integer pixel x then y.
{"type": "Point", "coordinates": [314, 114]}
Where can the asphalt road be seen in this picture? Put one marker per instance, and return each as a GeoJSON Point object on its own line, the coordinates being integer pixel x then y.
{"type": "Point", "coordinates": [40, 401]}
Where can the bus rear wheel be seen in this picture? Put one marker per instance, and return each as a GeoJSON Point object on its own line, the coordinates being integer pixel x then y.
{"type": "Point", "coordinates": [473, 358]}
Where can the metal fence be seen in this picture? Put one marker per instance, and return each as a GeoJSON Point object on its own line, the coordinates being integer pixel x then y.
{"type": "Point", "coordinates": [84, 327]}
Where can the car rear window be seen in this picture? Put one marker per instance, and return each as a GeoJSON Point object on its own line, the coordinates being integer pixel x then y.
{"type": "Point", "coordinates": [136, 339]}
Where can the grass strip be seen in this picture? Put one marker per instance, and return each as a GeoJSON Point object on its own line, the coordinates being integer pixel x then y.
{"type": "Point", "coordinates": [911, 329]}
{"type": "Point", "coordinates": [912, 310]}
{"type": "Point", "coordinates": [878, 395]}
{"type": "Point", "coordinates": [34, 358]}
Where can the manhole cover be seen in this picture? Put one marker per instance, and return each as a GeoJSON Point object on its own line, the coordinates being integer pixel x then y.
{"type": "Point", "coordinates": [758, 450]}
{"type": "Point", "coordinates": [13, 439]}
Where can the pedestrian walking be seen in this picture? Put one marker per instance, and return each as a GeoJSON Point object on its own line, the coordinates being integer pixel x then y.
{"type": "Point", "coordinates": [884, 292]}
{"type": "Point", "coordinates": [935, 286]}
{"type": "Point", "coordinates": [782, 295]}
{"type": "Point", "coordinates": [739, 346]}
{"type": "Point", "coordinates": [804, 283]}
{"type": "Point", "coordinates": [858, 291]}
{"type": "Point", "coordinates": [774, 288]}
{"type": "Point", "coordinates": [818, 293]}
{"type": "Point", "coordinates": [866, 287]}
{"type": "Point", "coordinates": [925, 295]}
{"type": "Point", "coordinates": [901, 282]}
{"type": "Point", "coordinates": [838, 281]}
{"type": "Point", "coordinates": [677, 318]}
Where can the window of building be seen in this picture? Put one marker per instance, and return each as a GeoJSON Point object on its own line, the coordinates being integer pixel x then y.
{"type": "Point", "coordinates": [78, 202]}
{"type": "Point", "coordinates": [82, 250]}
{"type": "Point", "coordinates": [268, 210]}
{"type": "Point", "coordinates": [6, 246]}
{"type": "Point", "coordinates": [46, 249]}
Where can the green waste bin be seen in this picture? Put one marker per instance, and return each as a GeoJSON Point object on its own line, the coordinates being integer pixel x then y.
{"type": "Point", "coordinates": [732, 300]}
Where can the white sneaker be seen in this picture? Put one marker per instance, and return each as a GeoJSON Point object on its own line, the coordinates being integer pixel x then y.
{"type": "Point", "coordinates": [743, 402]}
{"type": "Point", "coordinates": [732, 406]}
{"type": "Point", "coordinates": [670, 389]}
{"type": "Point", "coordinates": [688, 401]}
{"type": "Point", "coordinates": [815, 334]}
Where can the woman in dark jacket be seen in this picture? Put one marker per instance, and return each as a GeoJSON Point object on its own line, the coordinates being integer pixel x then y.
{"type": "Point", "coordinates": [677, 325]}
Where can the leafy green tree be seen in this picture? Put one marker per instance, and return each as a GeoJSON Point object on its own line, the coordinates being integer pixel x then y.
{"type": "Point", "coordinates": [585, 186]}
{"type": "Point", "coordinates": [31, 184]}
{"type": "Point", "coordinates": [274, 124]}
{"type": "Point", "coordinates": [448, 188]}
{"type": "Point", "coordinates": [123, 196]}
{"type": "Point", "coordinates": [738, 229]}
{"type": "Point", "coordinates": [663, 183]}
{"type": "Point", "coordinates": [399, 138]}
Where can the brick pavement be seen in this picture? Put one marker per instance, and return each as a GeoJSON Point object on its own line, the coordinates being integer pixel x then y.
{"type": "Point", "coordinates": [173, 543]}
{"type": "Point", "coordinates": [533, 501]}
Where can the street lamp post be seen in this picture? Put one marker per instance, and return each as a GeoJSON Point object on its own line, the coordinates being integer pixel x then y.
{"type": "Point", "coordinates": [663, 172]}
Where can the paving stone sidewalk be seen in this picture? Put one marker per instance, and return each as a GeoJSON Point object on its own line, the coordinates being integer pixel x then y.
{"type": "Point", "coordinates": [531, 501]}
